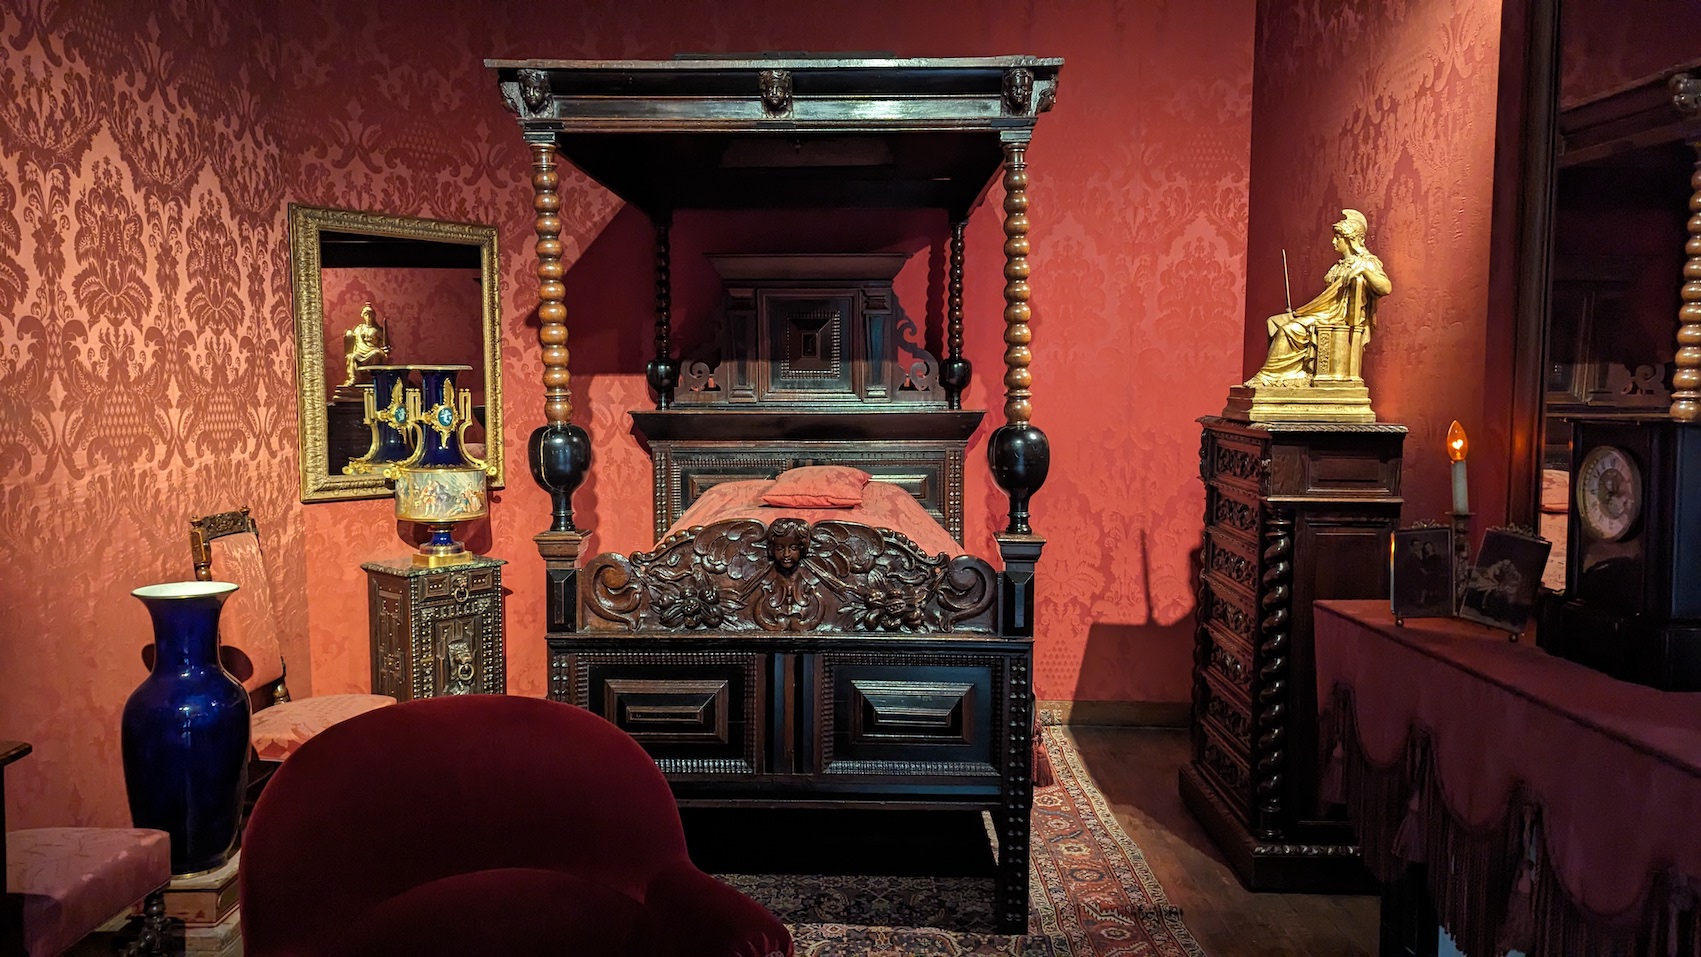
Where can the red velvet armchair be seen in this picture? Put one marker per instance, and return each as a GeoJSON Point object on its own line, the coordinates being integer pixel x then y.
{"type": "Point", "coordinates": [482, 825]}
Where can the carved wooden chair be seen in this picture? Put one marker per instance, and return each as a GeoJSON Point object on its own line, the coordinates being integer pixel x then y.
{"type": "Point", "coordinates": [249, 640]}
{"type": "Point", "coordinates": [62, 883]}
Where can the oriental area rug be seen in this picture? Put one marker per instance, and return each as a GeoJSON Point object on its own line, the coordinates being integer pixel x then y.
{"type": "Point", "coordinates": [1092, 894]}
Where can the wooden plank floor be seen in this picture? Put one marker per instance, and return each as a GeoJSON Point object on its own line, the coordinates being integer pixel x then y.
{"type": "Point", "coordinates": [1136, 769]}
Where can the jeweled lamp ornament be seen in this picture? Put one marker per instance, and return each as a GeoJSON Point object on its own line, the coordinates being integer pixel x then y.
{"type": "Point", "coordinates": [1314, 369]}
{"type": "Point", "coordinates": [440, 484]}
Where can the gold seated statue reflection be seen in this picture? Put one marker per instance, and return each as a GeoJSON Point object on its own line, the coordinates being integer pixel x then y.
{"type": "Point", "coordinates": [1313, 371]}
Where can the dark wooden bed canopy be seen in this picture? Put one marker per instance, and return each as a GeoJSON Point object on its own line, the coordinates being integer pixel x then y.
{"type": "Point", "coordinates": [898, 679]}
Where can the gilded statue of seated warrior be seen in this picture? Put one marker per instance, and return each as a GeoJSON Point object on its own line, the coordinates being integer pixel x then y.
{"type": "Point", "coordinates": [363, 344]}
{"type": "Point", "coordinates": [1347, 303]}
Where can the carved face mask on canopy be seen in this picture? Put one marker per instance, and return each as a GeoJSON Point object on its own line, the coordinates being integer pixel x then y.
{"type": "Point", "coordinates": [788, 541]}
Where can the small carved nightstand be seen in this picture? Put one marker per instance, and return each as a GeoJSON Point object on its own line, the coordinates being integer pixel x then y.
{"type": "Point", "coordinates": [436, 631]}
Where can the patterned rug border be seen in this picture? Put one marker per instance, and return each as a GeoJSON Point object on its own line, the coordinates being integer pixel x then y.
{"type": "Point", "coordinates": [1137, 918]}
{"type": "Point", "coordinates": [1168, 917]}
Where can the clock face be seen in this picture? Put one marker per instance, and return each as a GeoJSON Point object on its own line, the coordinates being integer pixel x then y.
{"type": "Point", "coordinates": [1609, 493]}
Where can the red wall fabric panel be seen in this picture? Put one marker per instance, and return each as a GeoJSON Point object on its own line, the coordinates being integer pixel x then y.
{"type": "Point", "coordinates": [147, 371]}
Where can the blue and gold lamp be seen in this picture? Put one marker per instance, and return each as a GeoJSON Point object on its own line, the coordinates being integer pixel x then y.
{"type": "Point", "coordinates": [439, 484]}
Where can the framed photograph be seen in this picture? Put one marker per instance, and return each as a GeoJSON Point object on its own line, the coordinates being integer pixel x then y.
{"type": "Point", "coordinates": [1501, 591]}
{"type": "Point", "coordinates": [1422, 573]}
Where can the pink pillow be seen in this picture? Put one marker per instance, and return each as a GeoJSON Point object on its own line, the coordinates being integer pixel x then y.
{"type": "Point", "coordinates": [818, 486]}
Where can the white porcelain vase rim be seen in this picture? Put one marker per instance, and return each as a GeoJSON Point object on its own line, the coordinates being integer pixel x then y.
{"type": "Point", "coordinates": [188, 589]}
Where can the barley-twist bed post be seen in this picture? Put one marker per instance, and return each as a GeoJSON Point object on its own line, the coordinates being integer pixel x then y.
{"type": "Point", "coordinates": [1018, 452]}
{"type": "Point", "coordinates": [1686, 375]}
{"type": "Point", "coordinates": [955, 370]}
{"type": "Point", "coordinates": [560, 452]}
{"type": "Point", "coordinates": [663, 370]}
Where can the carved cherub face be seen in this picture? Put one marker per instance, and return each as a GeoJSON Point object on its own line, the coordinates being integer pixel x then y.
{"type": "Point", "coordinates": [788, 542]}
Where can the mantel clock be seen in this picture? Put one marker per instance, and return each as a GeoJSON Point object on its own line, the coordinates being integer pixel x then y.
{"type": "Point", "coordinates": [1633, 551]}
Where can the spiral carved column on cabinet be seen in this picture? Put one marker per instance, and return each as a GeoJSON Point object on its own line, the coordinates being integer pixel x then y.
{"type": "Point", "coordinates": [560, 452]}
{"type": "Point", "coordinates": [954, 371]}
{"type": "Point", "coordinates": [1202, 644]}
{"type": "Point", "coordinates": [663, 372]}
{"type": "Point", "coordinates": [1271, 719]}
{"type": "Point", "coordinates": [1686, 378]}
{"type": "Point", "coordinates": [1019, 453]}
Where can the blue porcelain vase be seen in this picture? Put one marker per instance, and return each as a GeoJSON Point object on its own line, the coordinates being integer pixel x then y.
{"type": "Point", "coordinates": [185, 730]}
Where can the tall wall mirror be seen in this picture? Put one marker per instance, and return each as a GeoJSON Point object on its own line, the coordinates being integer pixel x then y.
{"type": "Point", "coordinates": [1622, 98]}
{"type": "Point", "coordinates": [376, 298]}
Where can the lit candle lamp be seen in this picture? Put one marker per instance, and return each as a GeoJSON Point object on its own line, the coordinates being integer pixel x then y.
{"type": "Point", "coordinates": [1457, 447]}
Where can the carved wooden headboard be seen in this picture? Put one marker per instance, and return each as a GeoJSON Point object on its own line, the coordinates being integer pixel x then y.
{"type": "Point", "coordinates": [817, 364]}
{"type": "Point", "coordinates": [919, 451]}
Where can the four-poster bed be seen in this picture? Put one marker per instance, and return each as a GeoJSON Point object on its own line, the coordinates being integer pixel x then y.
{"type": "Point", "coordinates": [820, 658]}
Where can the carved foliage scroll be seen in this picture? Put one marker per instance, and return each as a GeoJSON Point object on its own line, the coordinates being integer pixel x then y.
{"type": "Point", "coordinates": [790, 576]}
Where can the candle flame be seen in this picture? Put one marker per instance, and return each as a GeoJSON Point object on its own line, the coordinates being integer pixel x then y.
{"type": "Point", "coordinates": [1457, 444]}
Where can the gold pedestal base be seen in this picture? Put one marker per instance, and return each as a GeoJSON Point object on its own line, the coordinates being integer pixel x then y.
{"type": "Point", "coordinates": [355, 394]}
{"type": "Point", "coordinates": [1318, 402]}
{"type": "Point", "coordinates": [429, 557]}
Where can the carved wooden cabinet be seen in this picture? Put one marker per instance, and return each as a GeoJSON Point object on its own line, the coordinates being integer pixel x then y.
{"type": "Point", "coordinates": [1294, 512]}
{"type": "Point", "coordinates": [436, 631]}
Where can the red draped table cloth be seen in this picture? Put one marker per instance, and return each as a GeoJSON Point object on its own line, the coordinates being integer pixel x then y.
{"type": "Point", "coordinates": [1558, 810]}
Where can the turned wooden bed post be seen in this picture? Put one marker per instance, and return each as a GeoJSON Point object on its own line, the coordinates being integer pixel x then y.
{"type": "Point", "coordinates": [560, 452]}
{"type": "Point", "coordinates": [955, 370]}
{"type": "Point", "coordinates": [1020, 458]}
{"type": "Point", "coordinates": [663, 370]}
{"type": "Point", "coordinates": [1018, 452]}
{"type": "Point", "coordinates": [1686, 375]}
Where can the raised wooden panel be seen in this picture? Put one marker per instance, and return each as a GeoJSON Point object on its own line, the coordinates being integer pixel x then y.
{"type": "Point", "coordinates": [1352, 556]}
{"type": "Point", "coordinates": [919, 717]}
{"type": "Point", "coordinates": [914, 712]}
{"type": "Point", "coordinates": [1357, 473]}
{"type": "Point", "coordinates": [1225, 766]}
{"type": "Point", "coordinates": [669, 711]}
{"type": "Point", "coordinates": [694, 712]}
{"type": "Point", "coordinates": [810, 345]}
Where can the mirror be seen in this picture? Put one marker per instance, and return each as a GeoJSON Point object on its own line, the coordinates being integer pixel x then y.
{"type": "Point", "coordinates": [376, 290]}
{"type": "Point", "coordinates": [1606, 199]}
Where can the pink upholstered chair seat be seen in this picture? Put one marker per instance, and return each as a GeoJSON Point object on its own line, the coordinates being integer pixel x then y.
{"type": "Point", "coordinates": [73, 879]}
{"type": "Point", "coordinates": [277, 731]}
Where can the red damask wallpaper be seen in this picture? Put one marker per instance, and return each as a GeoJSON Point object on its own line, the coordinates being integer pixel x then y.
{"type": "Point", "coordinates": [146, 366]}
{"type": "Point", "coordinates": [1388, 107]}
{"type": "Point", "coordinates": [148, 371]}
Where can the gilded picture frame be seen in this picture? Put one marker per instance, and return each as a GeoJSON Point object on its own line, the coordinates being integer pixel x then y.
{"type": "Point", "coordinates": [308, 226]}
